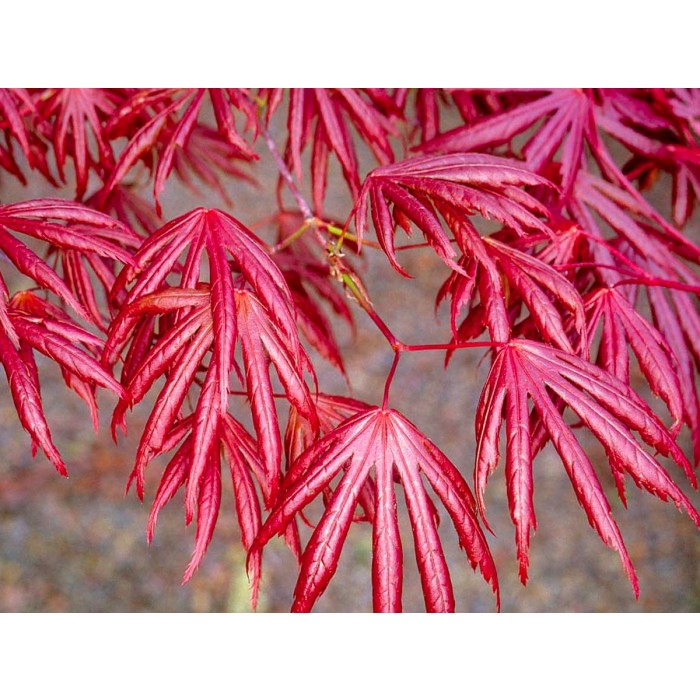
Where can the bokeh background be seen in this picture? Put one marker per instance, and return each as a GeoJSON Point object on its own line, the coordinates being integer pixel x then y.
{"type": "Point", "coordinates": [79, 544]}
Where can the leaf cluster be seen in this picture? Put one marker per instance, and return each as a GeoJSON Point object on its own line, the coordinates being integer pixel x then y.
{"type": "Point", "coordinates": [555, 261]}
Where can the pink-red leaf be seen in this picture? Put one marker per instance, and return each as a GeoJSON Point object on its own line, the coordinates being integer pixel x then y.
{"type": "Point", "coordinates": [387, 442]}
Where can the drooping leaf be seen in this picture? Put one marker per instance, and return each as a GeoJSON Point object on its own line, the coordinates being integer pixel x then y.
{"type": "Point", "coordinates": [423, 188]}
{"type": "Point", "coordinates": [37, 325]}
{"type": "Point", "coordinates": [525, 370]}
{"type": "Point", "coordinates": [64, 116]}
{"type": "Point", "coordinates": [624, 328]}
{"type": "Point", "coordinates": [244, 302]}
{"type": "Point", "coordinates": [322, 117]}
{"type": "Point", "coordinates": [506, 278]}
{"type": "Point", "coordinates": [568, 120]}
{"type": "Point", "coordinates": [164, 120]}
{"type": "Point", "coordinates": [385, 441]}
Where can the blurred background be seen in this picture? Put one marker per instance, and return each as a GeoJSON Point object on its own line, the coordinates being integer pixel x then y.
{"type": "Point", "coordinates": [79, 544]}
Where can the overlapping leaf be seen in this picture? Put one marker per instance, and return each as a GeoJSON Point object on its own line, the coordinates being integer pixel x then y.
{"type": "Point", "coordinates": [635, 223]}
{"type": "Point", "coordinates": [81, 238]}
{"type": "Point", "coordinates": [32, 324]}
{"type": "Point", "coordinates": [659, 131]}
{"type": "Point", "coordinates": [386, 442]}
{"type": "Point", "coordinates": [506, 278]}
{"type": "Point", "coordinates": [199, 326]}
{"type": "Point", "coordinates": [322, 117]}
{"type": "Point", "coordinates": [525, 370]}
{"type": "Point", "coordinates": [28, 323]}
{"type": "Point", "coordinates": [163, 120]}
{"type": "Point", "coordinates": [64, 115]}
{"type": "Point", "coordinates": [568, 122]}
{"type": "Point", "coordinates": [418, 190]}
{"type": "Point", "coordinates": [260, 317]}
{"type": "Point", "coordinates": [179, 353]}
{"type": "Point", "coordinates": [623, 329]}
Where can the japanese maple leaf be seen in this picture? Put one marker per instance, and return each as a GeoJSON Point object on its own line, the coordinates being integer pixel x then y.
{"type": "Point", "coordinates": [179, 354]}
{"type": "Point", "coordinates": [616, 301]}
{"type": "Point", "coordinates": [567, 122]}
{"type": "Point", "coordinates": [38, 325]}
{"type": "Point", "coordinates": [220, 236]}
{"type": "Point", "coordinates": [417, 190]}
{"type": "Point", "coordinates": [658, 142]}
{"type": "Point", "coordinates": [164, 120]}
{"type": "Point", "coordinates": [85, 241]}
{"type": "Point", "coordinates": [504, 277]}
{"type": "Point", "coordinates": [525, 370]}
{"type": "Point", "coordinates": [28, 323]}
{"type": "Point", "coordinates": [64, 115]}
{"type": "Point", "coordinates": [253, 308]}
{"type": "Point", "coordinates": [633, 220]}
{"type": "Point", "coordinates": [322, 117]}
{"type": "Point", "coordinates": [241, 455]}
{"type": "Point", "coordinates": [385, 442]}
{"type": "Point", "coordinates": [625, 329]}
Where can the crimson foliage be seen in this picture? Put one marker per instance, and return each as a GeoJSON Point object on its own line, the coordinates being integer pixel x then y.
{"type": "Point", "coordinates": [576, 273]}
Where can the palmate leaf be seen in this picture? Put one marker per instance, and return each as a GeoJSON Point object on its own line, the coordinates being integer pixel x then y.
{"type": "Point", "coordinates": [322, 118]}
{"type": "Point", "coordinates": [64, 115]}
{"type": "Point", "coordinates": [261, 318]}
{"type": "Point", "coordinates": [179, 354]}
{"type": "Point", "coordinates": [568, 120]}
{"type": "Point", "coordinates": [417, 190]}
{"type": "Point", "coordinates": [193, 344]}
{"type": "Point", "coordinates": [659, 132]}
{"type": "Point", "coordinates": [623, 329]}
{"type": "Point", "coordinates": [386, 442]}
{"type": "Point", "coordinates": [525, 370]}
{"type": "Point", "coordinates": [81, 238]}
{"type": "Point", "coordinates": [38, 325]}
{"type": "Point", "coordinates": [633, 220]}
{"type": "Point", "coordinates": [28, 323]}
{"type": "Point", "coordinates": [163, 120]}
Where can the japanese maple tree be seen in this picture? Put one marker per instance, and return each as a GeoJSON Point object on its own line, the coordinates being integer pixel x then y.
{"type": "Point", "coordinates": [557, 268]}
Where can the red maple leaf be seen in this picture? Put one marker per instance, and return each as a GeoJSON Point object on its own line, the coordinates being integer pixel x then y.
{"type": "Point", "coordinates": [526, 370]}
{"type": "Point", "coordinates": [386, 442]}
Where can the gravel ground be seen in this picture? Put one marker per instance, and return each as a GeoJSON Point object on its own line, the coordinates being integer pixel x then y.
{"type": "Point", "coordinates": [79, 545]}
